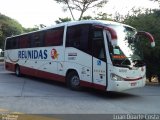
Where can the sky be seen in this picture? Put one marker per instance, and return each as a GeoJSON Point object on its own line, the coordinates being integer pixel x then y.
{"type": "Point", "coordinates": [34, 12]}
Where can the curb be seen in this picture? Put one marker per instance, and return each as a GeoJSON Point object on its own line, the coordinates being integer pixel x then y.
{"type": "Point", "coordinates": [152, 83]}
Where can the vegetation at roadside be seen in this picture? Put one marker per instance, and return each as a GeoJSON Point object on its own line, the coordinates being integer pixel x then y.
{"type": "Point", "coordinates": [10, 27]}
{"type": "Point", "coordinates": [148, 21]}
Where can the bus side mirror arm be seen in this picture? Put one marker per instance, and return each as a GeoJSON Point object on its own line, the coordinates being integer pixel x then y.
{"type": "Point", "coordinates": [113, 35]}
{"type": "Point", "coordinates": [148, 35]}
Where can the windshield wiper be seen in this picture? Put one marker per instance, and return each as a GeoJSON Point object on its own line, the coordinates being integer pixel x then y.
{"type": "Point", "coordinates": [120, 63]}
{"type": "Point", "coordinates": [126, 61]}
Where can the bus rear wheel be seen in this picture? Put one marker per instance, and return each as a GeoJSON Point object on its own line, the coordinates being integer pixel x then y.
{"type": "Point", "coordinates": [73, 81]}
{"type": "Point", "coordinates": [17, 71]}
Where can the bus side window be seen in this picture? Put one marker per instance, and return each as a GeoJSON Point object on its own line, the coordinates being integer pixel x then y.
{"type": "Point", "coordinates": [78, 37]}
{"type": "Point", "coordinates": [54, 37]}
{"type": "Point", "coordinates": [15, 44]}
{"type": "Point", "coordinates": [24, 41]}
{"type": "Point", "coordinates": [8, 43]}
{"type": "Point", "coordinates": [98, 47]}
{"type": "Point", "coordinates": [37, 39]}
{"type": "Point", "coordinates": [12, 43]}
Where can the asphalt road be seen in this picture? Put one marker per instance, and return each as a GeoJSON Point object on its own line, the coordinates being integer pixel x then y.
{"type": "Point", "coordinates": [38, 96]}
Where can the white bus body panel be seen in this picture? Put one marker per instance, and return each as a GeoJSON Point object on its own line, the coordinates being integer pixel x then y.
{"type": "Point", "coordinates": [79, 61]}
{"type": "Point", "coordinates": [99, 72]}
{"type": "Point", "coordinates": [136, 78]}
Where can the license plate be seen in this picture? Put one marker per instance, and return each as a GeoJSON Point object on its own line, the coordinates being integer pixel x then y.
{"type": "Point", "coordinates": [133, 84]}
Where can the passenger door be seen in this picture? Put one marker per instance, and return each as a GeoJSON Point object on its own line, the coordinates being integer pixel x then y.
{"type": "Point", "coordinates": [99, 59]}
{"type": "Point", "coordinates": [78, 51]}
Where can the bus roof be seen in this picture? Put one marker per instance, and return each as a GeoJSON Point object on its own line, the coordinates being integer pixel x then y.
{"type": "Point", "coordinates": [71, 23]}
{"type": "Point", "coordinates": [97, 22]}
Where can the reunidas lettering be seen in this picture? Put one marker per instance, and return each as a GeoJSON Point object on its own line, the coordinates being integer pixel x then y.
{"type": "Point", "coordinates": [32, 54]}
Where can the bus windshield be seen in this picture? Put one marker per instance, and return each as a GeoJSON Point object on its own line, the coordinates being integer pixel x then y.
{"type": "Point", "coordinates": [127, 53]}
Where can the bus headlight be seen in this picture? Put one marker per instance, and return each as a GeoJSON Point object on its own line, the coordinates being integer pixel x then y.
{"type": "Point", "coordinates": [116, 77]}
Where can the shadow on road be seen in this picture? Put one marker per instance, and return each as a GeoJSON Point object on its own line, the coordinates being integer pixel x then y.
{"type": "Point", "coordinates": [110, 94]}
{"type": "Point", "coordinates": [89, 91]}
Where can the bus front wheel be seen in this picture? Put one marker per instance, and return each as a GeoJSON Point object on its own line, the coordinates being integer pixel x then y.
{"type": "Point", "coordinates": [73, 81]}
{"type": "Point", "coordinates": [17, 71]}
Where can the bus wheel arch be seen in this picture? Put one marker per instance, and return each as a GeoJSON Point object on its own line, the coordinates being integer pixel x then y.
{"type": "Point", "coordinates": [73, 79]}
{"type": "Point", "coordinates": [17, 70]}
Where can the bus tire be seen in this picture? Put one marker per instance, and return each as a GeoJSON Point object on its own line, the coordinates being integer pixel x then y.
{"type": "Point", "coordinates": [17, 71]}
{"type": "Point", "coordinates": [73, 81]}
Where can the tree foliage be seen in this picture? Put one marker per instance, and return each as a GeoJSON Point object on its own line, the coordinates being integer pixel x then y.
{"type": "Point", "coordinates": [99, 16]}
{"type": "Point", "coordinates": [81, 5]}
{"type": "Point", "coordinates": [35, 28]}
{"type": "Point", "coordinates": [8, 27]}
{"type": "Point", "coordinates": [61, 20]}
{"type": "Point", "coordinates": [148, 21]}
{"type": "Point", "coordinates": [26, 30]}
{"type": "Point", "coordinates": [103, 16]}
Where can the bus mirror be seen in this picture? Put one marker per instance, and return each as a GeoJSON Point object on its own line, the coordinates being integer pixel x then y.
{"type": "Point", "coordinates": [113, 35]}
{"type": "Point", "coordinates": [148, 35]}
{"type": "Point", "coordinates": [112, 32]}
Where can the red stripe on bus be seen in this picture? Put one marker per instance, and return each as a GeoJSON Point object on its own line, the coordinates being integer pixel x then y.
{"type": "Point", "coordinates": [41, 74]}
{"type": "Point", "coordinates": [50, 76]}
{"type": "Point", "coordinates": [36, 73]}
{"type": "Point", "coordinates": [127, 79]}
{"type": "Point", "coordinates": [10, 66]}
{"type": "Point", "coordinates": [92, 85]}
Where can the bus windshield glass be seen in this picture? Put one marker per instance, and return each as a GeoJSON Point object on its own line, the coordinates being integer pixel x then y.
{"type": "Point", "coordinates": [127, 52]}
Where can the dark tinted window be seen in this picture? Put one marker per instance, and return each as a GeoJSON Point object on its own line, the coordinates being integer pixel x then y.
{"type": "Point", "coordinates": [24, 41]}
{"type": "Point", "coordinates": [98, 47]}
{"type": "Point", "coordinates": [51, 37]}
{"type": "Point", "coordinates": [12, 43]}
{"type": "Point", "coordinates": [37, 39]}
{"type": "Point", "coordinates": [54, 37]}
{"type": "Point", "coordinates": [78, 37]}
{"type": "Point", "coordinates": [15, 43]}
{"type": "Point", "coordinates": [8, 43]}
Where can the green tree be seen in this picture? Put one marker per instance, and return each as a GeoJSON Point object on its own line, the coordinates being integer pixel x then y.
{"type": "Point", "coordinates": [103, 16]}
{"type": "Point", "coordinates": [87, 18]}
{"type": "Point", "coordinates": [26, 30]}
{"type": "Point", "coordinates": [81, 5]}
{"type": "Point", "coordinates": [148, 21]}
{"type": "Point", "coordinates": [8, 27]}
{"type": "Point", "coordinates": [35, 28]}
{"type": "Point", "coordinates": [66, 19]}
{"type": "Point", "coordinates": [100, 16]}
{"type": "Point", "coordinates": [61, 20]}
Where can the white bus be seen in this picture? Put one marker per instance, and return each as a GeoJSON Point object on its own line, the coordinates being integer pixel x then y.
{"type": "Point", "coordinates": [97, 54]}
